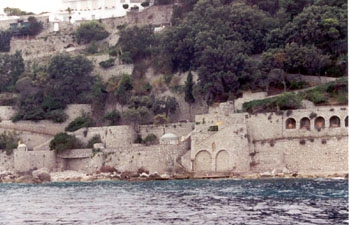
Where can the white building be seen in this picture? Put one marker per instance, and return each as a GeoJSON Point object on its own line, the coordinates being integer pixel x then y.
{"type": "Point", "coordinates": [98, 9]}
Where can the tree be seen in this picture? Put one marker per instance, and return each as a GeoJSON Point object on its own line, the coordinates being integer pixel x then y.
{"type": "Point", "coordinates": [5, 40]}
{"type": "Point", "coordinates": [136, 43]}
{"type": "Point", "coordinates": [123, 92]}
{"type": "Point", "coordinates": [68, 76]}
{"type": "Point", "coordinates": [11, 68]}
{"type": "Point", "coordinates": [166, 105]}
{"type": "Point", "coordinates": [322, 26]}
{"type": "Point", "coordinates": [90, 31]}
{"type": "Point", "coordinates": [189, 98]}
{"type": "Point", "coordinates": [64, 141]}
{"type": "Point", "coordinates": [136, 116]}
{"type": "Point", "coordinates": [16, 12]}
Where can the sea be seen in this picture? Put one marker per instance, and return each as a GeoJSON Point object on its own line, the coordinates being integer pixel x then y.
{"type": "Point", "coordinates": [209, 201]}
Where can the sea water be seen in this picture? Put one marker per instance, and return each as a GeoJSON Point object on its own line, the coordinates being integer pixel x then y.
{"type": "Point", "coordinates": [227, 201]}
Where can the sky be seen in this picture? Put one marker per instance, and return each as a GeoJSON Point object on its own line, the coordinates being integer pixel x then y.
{"type": "Point", "coordinates": [35, 6]}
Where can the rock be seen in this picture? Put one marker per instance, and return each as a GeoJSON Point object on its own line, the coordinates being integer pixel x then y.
{"type": "Point", "coordinates": [107, 169]}
{"type": "Point", "coordinates": [266, 174]}
{"type": "Point", "coordinates": [165, 176]}
{"type": "Point", "coordinates": [41, 175]}
{"type": "Point", "coordinates": [144, 174]}
{"type": "Point", "coordinates": [25, 179]}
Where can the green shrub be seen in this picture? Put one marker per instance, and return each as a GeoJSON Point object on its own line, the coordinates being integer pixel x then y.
{"type": "Point", "coordinates": [95, 139]}
{"type": "Point", "coordinates": [80, 122]}
{"type": "Point", "coordinates": [57, 116]}
{"type": "Point", "coordinates": [8, 141]}
{"type": "Point", "coordinates": [151, 139]}
{"type": "Point", "coordinates": [138, 139]}
{"type": "Point", "coordinates": [90, 31]}
{"type": "Point", "coordinates": [145, 4]}
{"type": "Point", "coordinates": [64, 141]}
{"type": "Point", "coordinates": [113, 117]}
{"type": "Point", "coordinates": [92, 48]}
{"type": "Point", "coordinates": [285, 101]}
{"type": "Point", "coordinates": [107, 63]}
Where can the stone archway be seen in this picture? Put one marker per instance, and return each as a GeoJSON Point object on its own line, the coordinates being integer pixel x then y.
{"type": "Point", "coordinates": [222, 161]}
{"type": "Point", "coordinates": [202, 161]}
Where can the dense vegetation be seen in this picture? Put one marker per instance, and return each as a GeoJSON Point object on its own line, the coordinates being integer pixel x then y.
{"type": "Point", "coordinates": [233, 45]}
{"type": "Point", "coordinates": [219, 39]}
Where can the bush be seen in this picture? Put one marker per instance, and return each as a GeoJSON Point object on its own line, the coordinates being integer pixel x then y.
{"type": "Point", "coordinates": [107, 63]}
{"type": "Point", "coordinates": [125, 6]}
{"type": "Point", "coordinates": [57, 116]}
{"type": "Point", "coordinates": [8, 141]}
{"type": "Point", "coordinates": [80, 122]}
{"type": "Point", "coordinates": [145, 4]}
{"type": "Point", "coordinates": [90, 31]}
{"type": "Point", "coordinates": [92, 48]}
{"type": "Point", "coordinates": [64, 141]}
{"type": "Point", "coordinates": [113, 117]}
{"type": "Point", "coordinates": [285, 101]}
{"type": "Point", "coordinates": [151, 139]}
{"type": "Point", "coordinates": [95, 139]}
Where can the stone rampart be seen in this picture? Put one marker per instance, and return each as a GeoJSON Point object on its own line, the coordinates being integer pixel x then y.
{"type": "Point", "coordinates": [318, 122]}
{"type": "Point", "coordinates": [180, 129]}
{"type": "Point", "coordinates": [6, 162]}
{"type": "Point", "coordinates": [111, 136]}
{"type": "Point", "coordinates": [302, 155]}
{"type": "Point", "coordinates": [30, 160]}
{"type": "Point", "coordinates": [155, 158]}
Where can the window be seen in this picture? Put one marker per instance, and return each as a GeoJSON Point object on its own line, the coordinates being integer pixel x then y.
{"type": "Point", "coordinates": [290, 123]}
{"type": "Point", "coordinates": [305, 123]}
{"type": "Point", "coordinates": [319, 123]}
{"type": "Point", "coordinates": [334, 122]}
{"type": "Point", "coordinates": [346, 121]}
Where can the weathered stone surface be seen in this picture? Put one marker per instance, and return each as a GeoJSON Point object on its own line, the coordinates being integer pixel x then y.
{"type": "Point", "coordinates": [41, 175]}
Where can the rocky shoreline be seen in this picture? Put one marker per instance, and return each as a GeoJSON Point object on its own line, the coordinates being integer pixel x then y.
{"type": "Point", "coordinates": [43, 175]}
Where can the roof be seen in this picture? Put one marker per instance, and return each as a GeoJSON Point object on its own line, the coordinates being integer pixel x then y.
{"type": "Point", "coordinates": [169, 136]}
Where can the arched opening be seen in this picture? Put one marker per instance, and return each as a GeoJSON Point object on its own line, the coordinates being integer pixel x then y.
{"type": "Point", "coordinates": [319, 123]}
{"type": "Point", "coordinates": [305, 123]}
{"type": "Point", "coordinates": [222, 161]}
{"type": "Point", "coordinates": [334, 122]}
{"type": "Point", "coordinates": [202, 161]}
{"type": "Point", "coordinates": [346, 121]}
{"type": "Point", "coordinates": [290, 123]}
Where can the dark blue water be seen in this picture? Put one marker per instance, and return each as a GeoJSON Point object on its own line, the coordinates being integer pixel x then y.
{"type": "Point", "coordinates": [271, 201]}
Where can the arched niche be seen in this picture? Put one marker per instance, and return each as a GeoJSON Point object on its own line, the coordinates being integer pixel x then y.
{"type": "Point", "coordinates": [319, 123]}
{"type": "Point", "coordinates": [305, 123]}
{"type": "Point", "coordinates": [222, 161]}
{"type": "Point", "coordinates": [202, 161]}
{"type": "Point", "coordinates": [346, 121]}
{"type": "Point", "coordinates": [290, 123]}
{"type": "Point", "coordinates": [334, 122]}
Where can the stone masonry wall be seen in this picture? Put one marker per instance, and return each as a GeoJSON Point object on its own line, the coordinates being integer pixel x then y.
{"type": "Point", "coordinates": [300, 155]}
{"type": "Point", "coordinates": [155, 158]}
{"type": "Point", "coordinates": [29, 160]}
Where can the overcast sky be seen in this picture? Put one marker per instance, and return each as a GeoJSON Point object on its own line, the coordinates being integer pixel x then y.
{"type": "Point", "coordinates": [35, 6]}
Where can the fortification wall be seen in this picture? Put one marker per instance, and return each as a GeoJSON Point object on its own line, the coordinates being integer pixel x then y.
{"type": "Point", "coordinates": [314, 155]}
{"type": "Point", "coordinates": [6, 162]}
{"type": "Point", "coordinates": [30, 160]}
{"type": "Point", "coordinates": [155, 158]}
{"type": "Point", "coordinates": [299, 123]}
{"type": "Point", "coordinates": [179, 129]}
{"type": "Point", "coordinates": [111, 136]}
{"type": "Point", "coordinates": [225, 150]}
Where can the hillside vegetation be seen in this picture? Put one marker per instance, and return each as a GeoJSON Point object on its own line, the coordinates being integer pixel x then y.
{"type": "Point", "coordinates": [232, 45]}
